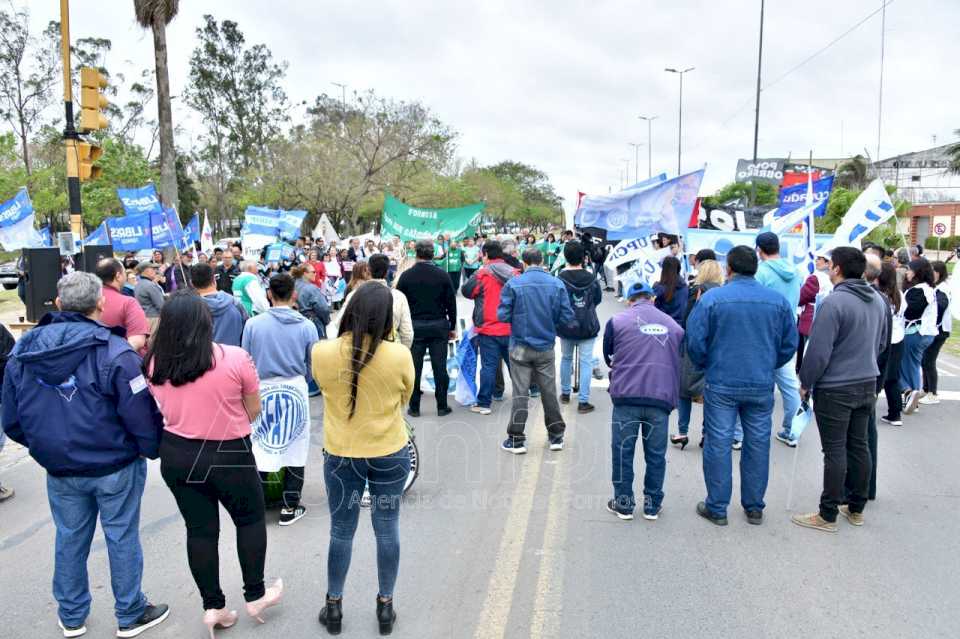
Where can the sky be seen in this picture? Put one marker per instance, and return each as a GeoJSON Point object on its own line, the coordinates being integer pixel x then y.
{"type": "Point", "coordinates": [560, 84]}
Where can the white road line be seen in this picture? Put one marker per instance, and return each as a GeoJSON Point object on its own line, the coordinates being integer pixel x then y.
{"type": "Point", "coordinates": [945, 373]}
{"type": "Point", "coordinates": [495, 614]}
{"type": "Point", "coordinates": [954, 368]}
{"type": "Point", "coordinates": [952, 396]}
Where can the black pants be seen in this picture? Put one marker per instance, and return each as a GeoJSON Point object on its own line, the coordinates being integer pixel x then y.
{"type": "Point", "coordinates": [801, 342]}
{"type": "Point", "coordinates": [292, 485]}
{"type": "Point", "coordinates": [843, 415]}
{"type": "Point", "coordinates": [437, 346]}
{"type": "Point", "coordinates": [500, 384]}
{"type": "Point", "coordinates": [929, 362]}
{"type": "Point", "coordinates": [455, 280]}
{"type": "Point", "coordinates": [202, 474]}
{"type": "Point", "coordinates": [891, 386]}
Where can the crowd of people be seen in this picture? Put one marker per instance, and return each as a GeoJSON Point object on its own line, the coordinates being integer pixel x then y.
{"type": "Point", "coordinates": [209, 366]}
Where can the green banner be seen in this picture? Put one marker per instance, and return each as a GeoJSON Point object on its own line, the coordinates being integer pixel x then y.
{"type": "Point", "coordinates": [411, 223]}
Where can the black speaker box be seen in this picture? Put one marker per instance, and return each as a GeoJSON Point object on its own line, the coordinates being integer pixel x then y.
{"type": "Point", "coordinates": [93, 254]}
{"type": "Point", "coordinates": [42, 267]}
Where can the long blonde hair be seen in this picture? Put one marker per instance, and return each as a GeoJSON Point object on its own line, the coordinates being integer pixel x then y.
{"type": "Point", "coordinates": [709, 271]}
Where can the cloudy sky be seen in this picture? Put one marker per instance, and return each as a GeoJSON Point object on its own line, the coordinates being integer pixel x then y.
{"type": "Point", "coordinates": [560, 84]}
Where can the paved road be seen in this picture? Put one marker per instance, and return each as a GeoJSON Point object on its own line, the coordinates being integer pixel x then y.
{"type": "Point", "coordinates": [502, 546]}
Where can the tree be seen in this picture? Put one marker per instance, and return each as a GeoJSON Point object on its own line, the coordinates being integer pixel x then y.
{"type": "Point", "coordinates": [28, 73]}
{"type": "Point", "coordinates": [739, 192]}
{"type": "Point", "coordinates": [852, 174]}
{"type": "Point", "coordinates": [156, 15]}
{"type": "Point", "coordinates": [189, 197]}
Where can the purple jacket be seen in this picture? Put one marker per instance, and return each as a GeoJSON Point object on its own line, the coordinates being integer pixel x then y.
{"type": "Point", "coordinates": [641, 345]}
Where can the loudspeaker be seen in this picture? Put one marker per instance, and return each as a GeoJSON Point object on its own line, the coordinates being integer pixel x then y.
{"type": "Point", "coordinates": [42, 268]}
{"type": "Point", "coordinates": [93, 254]}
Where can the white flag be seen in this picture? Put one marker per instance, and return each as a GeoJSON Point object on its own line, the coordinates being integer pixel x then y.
{"type": "Point", "coordinates": [206, 235]}
{"type": "Point", "coordinates": [871, 209]}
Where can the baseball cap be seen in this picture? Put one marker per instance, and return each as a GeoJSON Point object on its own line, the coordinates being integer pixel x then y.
{"type": "Point", "coordinates": [768, 242]}
{"type": "Point", "coordinates": [142, 266]}
{"type": "Point", "coordinates": [640, 288]}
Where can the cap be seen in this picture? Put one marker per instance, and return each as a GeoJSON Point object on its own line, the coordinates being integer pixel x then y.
{"type": "Point", "coordinates": [640, 288]}
{"type": "Point", "coordinates": [768, 242]}
{"type": "Point", "coordinates": [142, 266]}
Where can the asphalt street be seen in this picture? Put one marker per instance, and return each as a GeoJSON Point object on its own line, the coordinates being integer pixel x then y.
{"type": "Point", "coordinates": [496, 546]}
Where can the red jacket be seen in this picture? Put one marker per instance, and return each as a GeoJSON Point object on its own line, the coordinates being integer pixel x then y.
{"type": "Point", "coordinates": [808, 299]}
{"type": "Point", "coordinates": [484, 288]}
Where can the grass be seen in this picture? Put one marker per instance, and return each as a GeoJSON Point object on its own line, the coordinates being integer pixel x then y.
{"type": "Point", "coordinates": [9, 301]}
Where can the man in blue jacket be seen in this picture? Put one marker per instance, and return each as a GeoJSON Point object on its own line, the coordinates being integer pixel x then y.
{"type": "Point", "coordinates": [535, 304]}
{"type": "Point", "coordinates": [641, 345]}
{"type": "Point", "coordinates": [74, 395]}
{"type": "Point", "coordinates": [740, 334]}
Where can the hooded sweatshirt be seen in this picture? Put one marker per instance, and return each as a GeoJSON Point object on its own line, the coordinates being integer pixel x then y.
{"type": "Point", "coordinates": [279, 342]}
{"type": "Point", "coordinates": [484, 288]}
{"type": "Point", "coordinates": [585, 295]}
{"type": "Point", "coordinates": [781, 276]}
{"type": "Point", "coordinates": [75, 396]}
{"type": "Point", "coordinates": [228, 318]}
{"type": "Point", "coordinates": [848, 333]}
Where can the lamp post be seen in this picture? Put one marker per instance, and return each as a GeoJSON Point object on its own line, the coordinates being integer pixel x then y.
{"type": "Point", "coordinates": [636, 160]}
{"type": "Point", "coordinates": [626, 172]}
{"type": "Point", "coordinates": [343, 94]}
{"type": "Point", "coordinates": [680, 119]}
{"type": "Point", "coordinates": [649, 120]}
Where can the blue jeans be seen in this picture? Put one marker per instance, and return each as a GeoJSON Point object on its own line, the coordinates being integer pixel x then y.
{"type": "Point", "coordinates": [628, 423]}
{"type": "Point", "coordinates": [75, 503]}
{"type": "Point", "coordinates": [345, 478]}
{"type": "Point", "coordinates": [786, 380]}
{"type": "Point", "coordinates": [722, 406]}
{"type": "Point", "coordinates": [913, 346]}
{"type": "Point", "coordinates": [685, 407]}
{"type": "Point", "coordinates": [586, 366]}
{"type": "Point", "coordinates": [493, 350]}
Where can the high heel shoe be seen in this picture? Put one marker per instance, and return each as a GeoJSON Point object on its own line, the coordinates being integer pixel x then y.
{"type": "Point", "coordinates": [222, 618]}
{"type": "Point", "coordinates": [385, 615]}
{"type": "Point", "coordinates": [270, 598]}
{"type": "Point", "coordinates": [681, 440]}
{"type": "Point", "coordinates": [331, 616]}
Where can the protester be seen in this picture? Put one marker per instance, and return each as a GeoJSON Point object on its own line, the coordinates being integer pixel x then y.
{"type": "Point", "coordinates": [814, 289]}
{"type": "Point", "coordinates": [471, 258]}
{"type": "Point", "coordinates": [872, 275]}
{"type": "Point", "coordinates": [279, 341]}
{"type": "Point", "coordinates": [226, 272]}
{"type": "Point", "coordinates": [248, 291]}
{"type": "Point", "coordinates": [177, 275]}
{"type": "Point", "coordinates": [87, 376]}
{"type": "Point", "coordinates": [208, 394]}
{"type": "Point", "coordinates": [493, 335]}
{"type": "Point", "coordinates": [130, 285]}
{"type": "Point", "coordinates": [454, 263]}
{"type": "Point", "coordinates": [887, 285]}
{"type": "Point", "coordinates": [311, 301]}
{"type": "Point", "coordinates": [536, 305]}
{"type": "Point", "coordinates": [433, 309]}
{"type": "Point", "coordinates": [402, 320]}
{"type": "Point", "coordinates": [359, 275]}
{"type": "Point", "coordinates": [671, 291]}
{"type": "Point", "coordinates": [709, 276]}
{"type": "Point", "coordinates": [920, 315]}
{"type": "Point", "coordinates": [332, 267]}
{"type": "Point", "coordinates": [584, 294]}
{"type": "Point", "coordinates": [944, 324]}
{"type": "Point", "coordinates": [148, 292]}
{"type": "Point", "coordinates": [118, 309]}
{"type": "Point", "coordinates": [641, 345]}
{"type": "Point", "coordinates": [780, 275]}
{"type": "Point", "coordinates": [365, 380]}
{"type": "Point", "coordinates": [228, 314]}
{"type": "Point", "coordinates": [510, 255]}
{"type": "Point", "coordinates": [740, 334]}
{"type": "Point", "coordinates": [840, 365]}
{"type": "Point", "coordinates": [551, 249]}
{"type": "Point", "coordinates": [319, 269]}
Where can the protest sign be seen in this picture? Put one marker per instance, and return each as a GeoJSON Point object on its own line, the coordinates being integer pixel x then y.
{"type": "Point", "coordinates": [410, 223]}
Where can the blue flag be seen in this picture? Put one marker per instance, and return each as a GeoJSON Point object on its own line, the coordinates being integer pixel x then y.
{"type": "Point", "coordinates": [131, 232]}
{"type": "Point", "coordinates": [794, 197]}
{"type": "Point", "coordinates": [16, 223]}
{"type": "Point", "coordinates": [289, 224]}
{"type": "Point", "coordinates": [142, 200]}
{"type": "Point", "coordinates": [166, 229]}
{"type": "Point", "coordinates": [192, 231]}
{"type": "Point", "coordinates": [45, 235]}
{"type": "Point", "coordinates": [100, 237]}
{"type": "Point", "coordinates": [258, 220]}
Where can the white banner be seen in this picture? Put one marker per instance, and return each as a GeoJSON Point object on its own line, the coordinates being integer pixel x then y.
{"type": "Point", "coordinates": [871, 209]}
{"type": "Point", "coordinates": [281, 434]}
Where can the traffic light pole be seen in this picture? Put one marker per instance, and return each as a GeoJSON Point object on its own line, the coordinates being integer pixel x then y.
{"type": "Point", "coordinates": [70, 136]}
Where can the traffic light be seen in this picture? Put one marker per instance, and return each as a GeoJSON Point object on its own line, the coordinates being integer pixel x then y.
{"type": "Point", "coordinates": [87, 154]}
{"type": "Point", "coordinates": [92, 100]}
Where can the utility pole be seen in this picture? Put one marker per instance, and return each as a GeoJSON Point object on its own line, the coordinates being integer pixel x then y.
{"type": "Point", "coordinates": [626, 172]}
{"type": "Point", "coordinates": [883, 42]}
{"type": "Point", "coordinates": [343, 94]}
{"type": "Point", "coordinates": [636, 160]}
{"type": "Point", "coordinates": [680, 117]}
{"type": "Point", "coordinates": [756, 118]}
{"type": "Point", "coordinates": [649, 120]}
{"type": "Point", "coordinates": [70, 136]}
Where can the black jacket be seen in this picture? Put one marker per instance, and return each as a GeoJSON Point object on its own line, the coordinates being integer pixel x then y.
{"type": "Point", "coordinates": [225, 277]}
{"type": "Point", "coordinates": [433, 302]}
{"type": "Point", "coordinates": [585, 295]}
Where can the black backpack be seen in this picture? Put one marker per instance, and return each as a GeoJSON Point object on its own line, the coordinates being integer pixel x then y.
{"type": "Point", "coordinates": [584, 311]}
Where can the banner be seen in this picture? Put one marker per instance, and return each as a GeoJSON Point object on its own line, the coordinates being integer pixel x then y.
{"type": "Point", "coordinates": [142, 200]}
{"type": "Point", "coordinates": [45, 235]}
{"type": "Point", "coordinates": [769, 171]}
{"type": "Point", "coordinates": [16, 223]}
{"type": "Point", "coordinates": [192, 231]}
{"type": "Point", "coordinates": [662, 208]}
{"type": "Point", "coordinates": [791, 244]}
{"type": "Point", "coordinates": [732, 217]}
{"type": "Point", "coordinates": [289, 224]}
{"type": "Point", "coordinates": [410, 223]}
{"type": "Point", "coordinates": [795, 197]}
{"type": "Point", "coordinates": [165, 229]}
{"type": "Point", "coordinates": [130, 233]}
{"type": "Point", "coordinates": [258, 220]}
{"type": "Point", "coordinates": [641, 248]}
{"type": "Point", "coordinates": [206, 235]}
{"type": "Point", "coordinates": [99, 237]}
{"type": "Point", "coordinates": [871, 209]}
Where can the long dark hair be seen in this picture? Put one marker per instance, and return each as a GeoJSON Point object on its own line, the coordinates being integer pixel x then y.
{"type": "Point", "coordinates": [368, 319]}
{"type": "Point", "coordinates": [670, 276]}
{"type": "Point", "coordinates": [922, 273]}
{"type": "Point", "coordinates": [182, 346]}
{"type": "Point", "coordinates": [887, 283]}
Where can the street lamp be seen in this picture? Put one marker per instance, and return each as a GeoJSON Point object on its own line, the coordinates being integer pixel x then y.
{"type": "Point", "coordinates": [636, 160]}
{"type": "Point", "coordinates": [649, 120]}
{"type": "Point", "coordinates": [343, 94]}
{"type": "Point", "coordinates": [680, 122]}
{"type": "Point", "coordinates": [626, 173]}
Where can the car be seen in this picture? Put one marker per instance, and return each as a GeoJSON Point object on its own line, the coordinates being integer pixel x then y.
{"type": "Point", "coordinates": [8, 275]}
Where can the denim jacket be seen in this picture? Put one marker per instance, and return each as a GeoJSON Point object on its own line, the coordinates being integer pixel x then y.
{"type": "Point", "coordinates": [535, 304]}
{"type": "Point", "coordinates": [740, 333]}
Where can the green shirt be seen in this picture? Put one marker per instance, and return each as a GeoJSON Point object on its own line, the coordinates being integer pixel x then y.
{"type": "Point", "coordinates": [471, 256]}
{"type": "Point", "coordinates": [549, 250]}
{"type": "Point", "coordinates": [454, 257]}
{"type": "Point", "coordinates": [240, 291]}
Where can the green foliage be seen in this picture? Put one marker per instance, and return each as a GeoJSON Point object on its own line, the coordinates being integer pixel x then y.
{"type": "Point", "coordinates": [947, 243]}
{"type": "Point", "coordinates": [189, 196]}
{"type": "Point", "coordinates": [124, 165]}
{"type": "Point", "coordinates": [841, 199]}
{"type": "Point", "coordinates": [766, 194]}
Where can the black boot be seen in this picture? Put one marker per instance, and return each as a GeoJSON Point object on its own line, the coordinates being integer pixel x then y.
{"type": "Point", "coordinates": [332, 616]}
{"type": "Point", "coordinates": [385, 615]}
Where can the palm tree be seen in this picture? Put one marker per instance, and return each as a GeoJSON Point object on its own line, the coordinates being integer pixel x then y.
{"type": "Point", "coordinates": [954, 152]}
{"type": "Point", "coordinates": [852, 174]}
{"type": "Point", "coordinates": [156, 15]}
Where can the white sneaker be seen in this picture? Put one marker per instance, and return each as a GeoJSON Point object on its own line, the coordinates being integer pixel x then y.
{"type": "Point", "coordinates": [480, 410]}
{"type": "Point", "coordinates": [930, 399]}
{"type": "Point", "coordinates": [911, 404]}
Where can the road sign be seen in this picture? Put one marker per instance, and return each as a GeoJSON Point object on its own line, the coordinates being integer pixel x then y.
{"type": "Point", "coordinates": [940, 229]}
